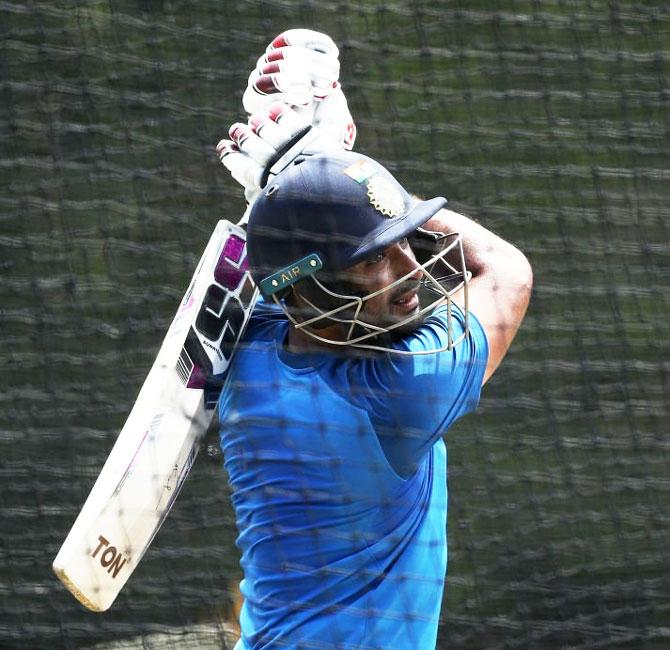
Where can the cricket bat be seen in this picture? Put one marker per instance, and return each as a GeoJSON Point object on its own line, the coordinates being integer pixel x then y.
{"type": "Point", "coordinates": [159, 441]}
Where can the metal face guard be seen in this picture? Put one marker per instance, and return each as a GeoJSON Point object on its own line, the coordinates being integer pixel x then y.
{"type": "Point", "coordinates": [441, 280]}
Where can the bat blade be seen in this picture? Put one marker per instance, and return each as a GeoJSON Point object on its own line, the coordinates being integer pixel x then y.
{"type": "Point", "coordinates": [159, 441]}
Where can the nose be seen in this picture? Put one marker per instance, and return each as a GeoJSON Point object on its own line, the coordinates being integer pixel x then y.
{"type": "Point", "coordinates": [404, 262]}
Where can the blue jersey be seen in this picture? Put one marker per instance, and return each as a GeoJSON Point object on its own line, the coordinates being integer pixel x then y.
{"type": "Point", "coordinates": [338, 474]}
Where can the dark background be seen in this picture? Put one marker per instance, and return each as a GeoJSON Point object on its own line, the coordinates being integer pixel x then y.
{"type": "Point", "coordinates": [547, 121]}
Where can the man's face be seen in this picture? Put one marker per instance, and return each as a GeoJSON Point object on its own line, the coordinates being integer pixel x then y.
{"type": "Point", "coordinates": [397, 304]}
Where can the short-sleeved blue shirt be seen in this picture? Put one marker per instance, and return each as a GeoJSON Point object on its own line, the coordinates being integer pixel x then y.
{"type": "Point", "coordinates": [338, 474]}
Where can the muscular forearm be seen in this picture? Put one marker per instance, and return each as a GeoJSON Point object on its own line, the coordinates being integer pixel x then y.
{"type": "Point", "coordinates": [483, 250]}
{"type": "Point", "coordinates": [502, 278]}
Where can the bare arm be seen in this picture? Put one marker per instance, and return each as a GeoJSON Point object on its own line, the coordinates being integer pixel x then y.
{"type": "Point", "coordinates": [501, 283]}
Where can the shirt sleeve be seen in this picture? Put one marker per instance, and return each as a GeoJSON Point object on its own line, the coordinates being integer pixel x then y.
{"type": "Point", "coordinates": [413, 400]}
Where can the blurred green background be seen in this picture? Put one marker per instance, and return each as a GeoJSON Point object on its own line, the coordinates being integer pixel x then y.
{"type": "Point", "coordinates": [547, 120]}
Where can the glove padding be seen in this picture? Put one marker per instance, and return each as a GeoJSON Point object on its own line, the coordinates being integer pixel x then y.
{"type": "Point", "coordinates": [301, 65]}
{"type": "Point", "coordinates": [267, 144]}
{"type": "Point", "coordinates": [301, 68]}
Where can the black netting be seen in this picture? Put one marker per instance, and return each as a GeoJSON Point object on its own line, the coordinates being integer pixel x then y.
{"type": "Point", "coordinates": [548, 121]}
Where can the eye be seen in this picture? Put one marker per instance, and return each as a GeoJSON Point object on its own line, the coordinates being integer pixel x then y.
{"type": "Point", "coordinates": [376, 258]}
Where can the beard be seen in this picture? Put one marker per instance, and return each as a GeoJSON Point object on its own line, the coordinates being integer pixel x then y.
{"type": "Point", "coordinates": [408, 327]}
{"type": "Point", "coordinates": [387, 315]}
{"type": "Point", "coordinates": [409, 323]}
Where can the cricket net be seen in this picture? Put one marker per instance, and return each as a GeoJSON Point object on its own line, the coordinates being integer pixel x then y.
{"type": "Point", "coordinates": [547, 121]}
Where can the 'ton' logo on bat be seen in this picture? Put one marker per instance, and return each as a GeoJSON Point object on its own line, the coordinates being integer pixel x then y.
{"type": "Point", "coordinates": [110, 558]}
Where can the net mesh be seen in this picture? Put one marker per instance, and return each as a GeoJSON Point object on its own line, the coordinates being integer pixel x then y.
{"type": "Point", "coordinates": [548, 121]}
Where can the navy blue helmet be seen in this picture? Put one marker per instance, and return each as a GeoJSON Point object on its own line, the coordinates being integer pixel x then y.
{"type": "Point", "coordinates": [323, 214]}
{"type": "Point", "coordinates": [344, 208]}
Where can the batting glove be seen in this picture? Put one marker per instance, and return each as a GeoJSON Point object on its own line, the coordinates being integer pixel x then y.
{"type": "Point", "coordinates": [301, 68]}
{"type": "Point", "coordinates": [267, 144]}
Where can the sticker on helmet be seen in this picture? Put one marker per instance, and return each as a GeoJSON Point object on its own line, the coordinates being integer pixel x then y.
{"type": "Point", "coordinates": [361, 170]}
{"type": "Point", "coordinates": [385, 197]}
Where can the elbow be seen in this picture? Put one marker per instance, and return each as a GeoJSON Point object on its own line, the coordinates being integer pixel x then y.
{"type": "Point", "coordinates": [523, 276]}
{"type": "Point", "coordinates": [525, 271]}
{"type": "Point", "coordinates": [519, 274]}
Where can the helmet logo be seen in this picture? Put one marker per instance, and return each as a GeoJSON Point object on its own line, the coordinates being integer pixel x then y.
{"type": "Point", "coordinates": [385, 197]}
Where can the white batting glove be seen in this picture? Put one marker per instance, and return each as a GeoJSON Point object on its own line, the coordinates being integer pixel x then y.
{"type": "Point", "coordinates": [267, 144]}
{"type": "Point", "coordinates": [301, 68]}
{"type": "Point", "coordinates": [298, 67]}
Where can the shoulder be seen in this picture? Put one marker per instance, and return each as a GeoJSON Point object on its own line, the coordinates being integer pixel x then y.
{"type": "Point", "coordinates": [267, 321]}
{"type": "Point", "coordinates": [448, 323]}
{"type": "Point", "coordinates": [433, 385]}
